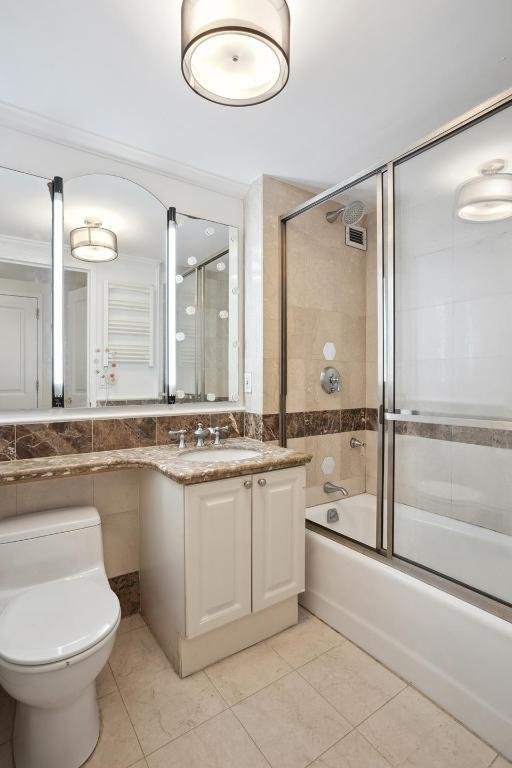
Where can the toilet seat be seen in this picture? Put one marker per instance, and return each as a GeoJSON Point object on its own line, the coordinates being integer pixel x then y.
{"type": "Point", "coordinates": [57, 620]}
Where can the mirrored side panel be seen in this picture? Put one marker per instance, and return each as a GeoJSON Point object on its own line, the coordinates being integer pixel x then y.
{"type": "Point", "coordinates": [114, 293]}
{"type": "Point", "coordinates": [207, 296]}
{"type": "Point", "coordinates": [25, 291]}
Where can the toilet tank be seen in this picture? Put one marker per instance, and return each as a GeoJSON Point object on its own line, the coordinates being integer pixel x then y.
{"type": "Point", "coordinates": [49, 545]}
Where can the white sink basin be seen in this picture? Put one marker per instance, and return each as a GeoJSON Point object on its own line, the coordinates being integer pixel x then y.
{"type": "Point", "coordinates": [220, 454]}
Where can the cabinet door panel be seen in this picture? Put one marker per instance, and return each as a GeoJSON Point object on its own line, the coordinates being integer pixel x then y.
{"type": "Point", "coordinates": [278, 536]}
{"type": "Point", "coordinates": [217, 554]}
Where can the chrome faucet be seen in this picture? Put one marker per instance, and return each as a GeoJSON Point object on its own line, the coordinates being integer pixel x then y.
{"type": "Point", "coordinates": [215, 431]}
{"type": "Point", "coordinates": [332, 488]}
{"type": "Point", "coordinates": [200, 433]}
{"type": "Point", "coordinates": [356, 443]}
{"type": "Point", "coordinates": [179, 433]}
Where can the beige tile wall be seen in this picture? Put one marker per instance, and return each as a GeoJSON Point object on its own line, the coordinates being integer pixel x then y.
{"type": "Point", "coordinates": [326, 303]}
{"type": "Point", "coordinates": [115, 494]}
{"type": "Point", "coordinates": [331, 297]}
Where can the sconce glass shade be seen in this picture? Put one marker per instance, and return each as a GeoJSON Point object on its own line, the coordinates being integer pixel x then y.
{"type": "Point", "coordinates": [487, 197]}
{"type": "Point", "coordinates": [93, 242]}
{"type": "Point", "coordinates": [235, 52]}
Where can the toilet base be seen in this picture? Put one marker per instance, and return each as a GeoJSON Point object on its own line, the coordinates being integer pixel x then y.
{"type": "Point", "coordinates": [57, 738]}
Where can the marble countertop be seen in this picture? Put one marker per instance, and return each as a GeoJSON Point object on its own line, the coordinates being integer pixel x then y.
{"type": "Point", "coordinates": [167, 459]}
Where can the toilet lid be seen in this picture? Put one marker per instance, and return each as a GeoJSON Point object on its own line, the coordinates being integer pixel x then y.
{"type": "Point", "coordinates": [56, 620]}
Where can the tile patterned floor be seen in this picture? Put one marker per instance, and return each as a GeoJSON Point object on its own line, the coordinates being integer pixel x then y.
{"type": "Point", "coordinates": [304, 698]}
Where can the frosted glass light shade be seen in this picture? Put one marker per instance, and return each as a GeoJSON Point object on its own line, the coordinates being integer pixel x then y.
{"type": "Point", "coordinates": [93, 242]}
{"type": "Point", "coordinates": [486, 198]}
{"type": "Point", "coordinates": [235, 52]}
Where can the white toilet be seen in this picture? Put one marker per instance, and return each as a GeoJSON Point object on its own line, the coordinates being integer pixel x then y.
{"type": "Point", "coordinates": [58, 621]}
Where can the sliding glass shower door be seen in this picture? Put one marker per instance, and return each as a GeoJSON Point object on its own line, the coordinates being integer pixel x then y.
{"type": "Point", "coordinates": [450, 377]}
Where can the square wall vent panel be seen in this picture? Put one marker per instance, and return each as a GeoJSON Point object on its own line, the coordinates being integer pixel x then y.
{"type": "Point", "coordinates": [355, 237]}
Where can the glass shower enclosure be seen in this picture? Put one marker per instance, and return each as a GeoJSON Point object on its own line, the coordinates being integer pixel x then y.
{"type": "Point", "coordinates": [397, 295]}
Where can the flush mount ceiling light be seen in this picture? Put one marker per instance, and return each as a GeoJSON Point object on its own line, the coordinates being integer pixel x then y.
{"type": "Point", "coordinates": [235, 52]}
{"type": "Point", "coordinates": [93, 242]}
{"type": "Point", "coordinates": [487, 197]}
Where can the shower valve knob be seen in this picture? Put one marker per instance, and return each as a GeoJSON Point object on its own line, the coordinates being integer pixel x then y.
{"type": "Point", "coordinates": [330, 380]}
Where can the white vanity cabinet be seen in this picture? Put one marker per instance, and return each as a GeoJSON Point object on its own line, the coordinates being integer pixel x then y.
{"type": "Point", "coordinates": [217, 553]}
{"type": "Point", "coordinates": [222, 562]}
{"type": "Point", "coordinates": [278, 540]}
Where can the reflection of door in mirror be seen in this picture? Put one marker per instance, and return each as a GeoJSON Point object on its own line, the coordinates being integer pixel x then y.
{"type": "Point", "coordinates": [19, 320]}
{"type": "Point", "coordinates": [25, 291]}
{"type": "Point", "coordinates": [115, 263]}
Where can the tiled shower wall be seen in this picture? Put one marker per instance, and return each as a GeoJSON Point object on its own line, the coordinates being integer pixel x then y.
{"type": "Point", "coordinates": [331, 300]}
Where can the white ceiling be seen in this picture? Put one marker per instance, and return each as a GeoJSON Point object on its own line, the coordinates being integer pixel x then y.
{"type": "Point", "coordinates": [368, 78]}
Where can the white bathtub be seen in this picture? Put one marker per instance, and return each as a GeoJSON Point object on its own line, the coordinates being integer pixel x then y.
{"type": "Point", "coordinates": [457, 654]}
{"type": "Point", "coordinates": [468, 553]}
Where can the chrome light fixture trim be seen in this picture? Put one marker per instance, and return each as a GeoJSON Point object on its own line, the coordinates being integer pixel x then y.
{"type": "Point", "coordinates": [487, 197]}
{"type": "Point", "coordinates": [93, 242]}
{"type": "Point", "coordinates": [170, 346]}
{"type": "Point", "coordinates": [235, 52]}
{"type": "Point", "coordinates": [57, 194]}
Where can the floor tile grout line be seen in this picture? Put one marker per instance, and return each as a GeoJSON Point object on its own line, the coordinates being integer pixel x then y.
{"type": "Point", "coordinates": [244, 698]}
{"type": "Point", "coordinates": [185, 733]}
{"type": "Point", "coordinates": [405, 686]}
{"type": "Point", "coordinates": [252, 739]}
{"type": "Point", "coordinates": [133, 726]}
{"type": "Point", "coordinates": [355, 728]}
{"type": "Point", "coordinates": [407, 683]}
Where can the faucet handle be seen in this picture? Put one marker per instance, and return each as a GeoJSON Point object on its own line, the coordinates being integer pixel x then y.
{"type": "Point", "coordinates": [200, 433]}
{"type": "Point", "coordinates": [179, 433]}
{"type": "Point", "coordinates": [215, 431]}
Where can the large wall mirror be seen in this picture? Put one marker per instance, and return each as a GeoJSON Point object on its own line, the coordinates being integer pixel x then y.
{"type": "Point", "coordinates": [114, 293]}
{"type": "Point", "coordinates": [25, 291]}
{"type": "Point", "coordinates": [120, 303]}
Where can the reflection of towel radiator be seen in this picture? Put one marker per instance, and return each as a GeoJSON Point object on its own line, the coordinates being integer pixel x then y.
{"type": "Point", "coordinates": [128, 323]}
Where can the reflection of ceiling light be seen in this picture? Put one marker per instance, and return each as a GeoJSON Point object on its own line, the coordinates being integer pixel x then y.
{"type": "Point", "coordinates": [209, 231]}
{"type": "Point", "coordinates": [487, 197]}
{"type": "Point", "coordinates": [221, 266]}
{"type": "Point", "coordinates": [190, 310]}
{"type": "Point", "coordinates": [93, 242]}
{"type": "Point", "coordinates": [236, 52]}
{"type": "Point", "coordinates": [180, 336]}
{"type": "Point", "coordinates": [180, 394]}
{"type": "Point", "coordinates": [179, 279]}
{"type": "Point", "coordinates": [191, 261]}
{"type": "Point", "coordinates": [223, 314]}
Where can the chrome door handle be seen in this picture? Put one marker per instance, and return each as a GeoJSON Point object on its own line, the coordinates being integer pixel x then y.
{"type": "Point", "coordinates": [262, 482]}
{"type": "Point", "coordinates": [247, 483]}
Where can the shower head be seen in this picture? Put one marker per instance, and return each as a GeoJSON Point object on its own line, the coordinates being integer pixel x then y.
{"type": "Point", "coordinates": [350, 214]}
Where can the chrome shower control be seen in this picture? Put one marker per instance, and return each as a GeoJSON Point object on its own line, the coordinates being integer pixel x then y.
{"type": "Point", "coordinates": [330, 379]}
{"type": "Point", "coordinates": [247, 483]}
{"type": "Point", "coordinates": [262, 482]}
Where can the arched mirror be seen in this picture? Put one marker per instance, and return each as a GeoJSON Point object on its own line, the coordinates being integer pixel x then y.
{"type": "Point", "coordinates": [114, 295]}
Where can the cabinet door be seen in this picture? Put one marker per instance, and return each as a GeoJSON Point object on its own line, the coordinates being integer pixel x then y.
{"type": "Point", "coordinates": [217, 553]}
{"type": "Point", "coordinates": [278, 536]}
